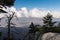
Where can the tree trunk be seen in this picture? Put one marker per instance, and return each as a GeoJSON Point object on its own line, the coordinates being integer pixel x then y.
{"type": "Point", "coordinates": [8, 29]}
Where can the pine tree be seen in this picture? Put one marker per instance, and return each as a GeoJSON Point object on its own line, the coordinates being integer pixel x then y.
{"type": "Point", "coordinates": [32, 28]}
{"type": "Point", "coordinates": [47, 20]}
{"type": "Point", "coordinates": [32, 32]}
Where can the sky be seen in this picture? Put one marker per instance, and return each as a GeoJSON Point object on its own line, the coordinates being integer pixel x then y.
{"type": "Point", "coordinates": [44, 4]}
{"type": "Point", "coordinates": [36, 8]}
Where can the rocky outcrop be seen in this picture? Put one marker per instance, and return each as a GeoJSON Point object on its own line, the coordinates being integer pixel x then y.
{"type": "Point", "coordinates": [51, 36]}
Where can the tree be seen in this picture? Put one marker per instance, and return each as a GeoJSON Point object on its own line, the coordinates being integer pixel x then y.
{"type": "Point", "coordinates": [0, 35]}
{"type": "Point", "coordinates": [4, 3]}
{"type": "Point", "coordinates": [7, 2]}
{"type": "Point", "coordinates": [32, 32]}
{"type": "Point", "coordinates": [32, 28]}
{"type": "Point", "coordinates": [57, 29]}
{"type": "Point", "coordinates": [9, 24]}
{"type": "Point", "coordinates": [41, 31]}
{"type": "Point", "coordinates": [59, 24]}
{"type": "Point", "coordinates": [47, 20]}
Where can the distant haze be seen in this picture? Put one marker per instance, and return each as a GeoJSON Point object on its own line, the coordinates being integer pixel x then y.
{"type": "Point", "coordinates": [26, 16]}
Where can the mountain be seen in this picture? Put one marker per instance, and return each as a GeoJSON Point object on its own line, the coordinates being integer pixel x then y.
{"type": "Point", "coordinates": [26, 16]}
{"type": "Point", "coordinates": [23, 20]}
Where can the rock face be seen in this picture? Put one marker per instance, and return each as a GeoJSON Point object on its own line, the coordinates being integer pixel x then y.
{"type": "Point", "coordinates": [51, 36]}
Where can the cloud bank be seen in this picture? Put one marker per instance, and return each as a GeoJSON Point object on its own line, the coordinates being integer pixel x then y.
{"type": "Point", "coordinates": [35, 12]}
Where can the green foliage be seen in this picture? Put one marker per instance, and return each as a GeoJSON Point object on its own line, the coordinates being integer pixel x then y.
{"type": "Point", "coordinates": [33, 28]}
{"type": "Point", "coordinates": [32, 31]}
{"type": "Point", "coordinates": [47, 20]}
{"type": "Point", "coordinates": [43, 30]}
{"type": "Point", "coordinates": [48, 24]}
{"type": "Point", "coordinates": [47, 27]}
{"type": "Point", "coordinates": [59, 24]}
{"type": "Point", "coordinates": [7, 2]}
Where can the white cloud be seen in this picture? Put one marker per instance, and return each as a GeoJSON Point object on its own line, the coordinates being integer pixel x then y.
{"type": "Point", "coordinates": [25, 12]}
{"type": "Point", "coordinates": [13, 9]}
{"type": "Point", "coordinates": [56, 14]}
{"type": "Point", "coordinates": [35, 12]}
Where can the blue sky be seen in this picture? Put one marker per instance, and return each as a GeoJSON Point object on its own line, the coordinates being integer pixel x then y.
{"type": "Point", "coordinates": [48, 4]}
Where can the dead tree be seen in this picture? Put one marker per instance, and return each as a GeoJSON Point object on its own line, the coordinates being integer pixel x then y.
{"type": "Point", "coordinates": [9, 24]}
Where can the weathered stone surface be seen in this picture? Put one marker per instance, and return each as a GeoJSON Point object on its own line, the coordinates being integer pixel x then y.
{"type": "Point", "coordinates": [51, 36]}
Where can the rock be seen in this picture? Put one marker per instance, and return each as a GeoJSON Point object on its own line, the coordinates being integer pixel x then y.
{"type": "Point", "coordinates": [51, 36]}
